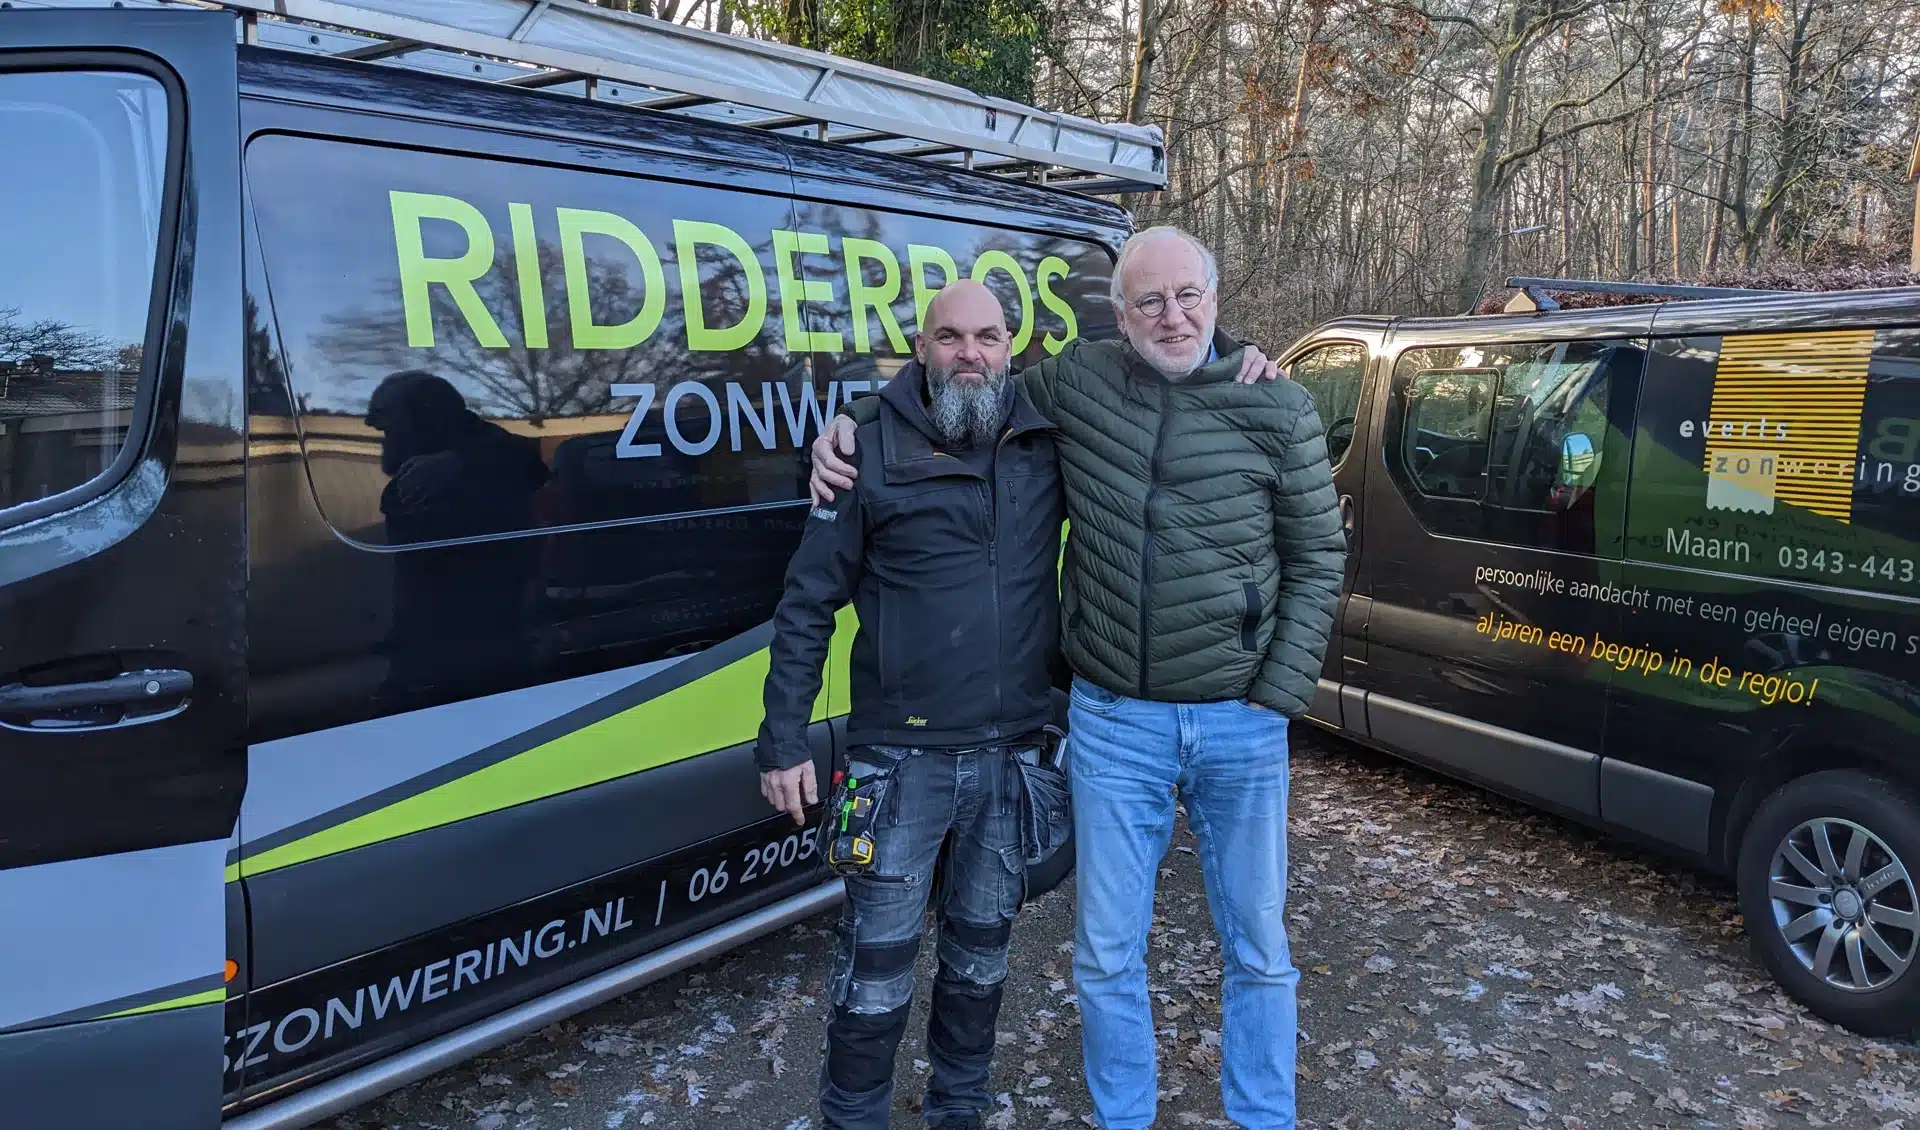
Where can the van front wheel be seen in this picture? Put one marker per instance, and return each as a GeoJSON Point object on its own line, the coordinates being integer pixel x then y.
{"type": "Point", "coordinates": [1827, 874]}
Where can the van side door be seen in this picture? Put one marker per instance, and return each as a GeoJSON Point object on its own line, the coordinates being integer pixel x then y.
{"type": "Point", "coordinates": [527, 466]}
{"type": "Point", "coordinates": [1493, 535]}
{"type": "Point", "coordinates": [1334, 369]}
{"type": "Point", "coordinates": [122, 567]}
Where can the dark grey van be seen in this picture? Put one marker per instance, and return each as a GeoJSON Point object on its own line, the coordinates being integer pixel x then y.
{"type": "Point", "coordinates": [397, 474]}
{"type": "Point", "coordinates": [1656, 568]}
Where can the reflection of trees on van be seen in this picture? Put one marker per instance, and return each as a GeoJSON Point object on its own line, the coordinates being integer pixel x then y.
{"type": "Point", "coordinates": [267, 391]}
{"type": "Point", "coordinates": [51, 344]}
{"type": "Point", "coordinates": [912, 257]}
{"type": "Point", "coordinates": [66, 400]}
{"type": "Point", "coordinates": [1868, 552]}
{"type": "Point", "coordinates": [516, 382]}
{"type": "Point", "coordinates": [1084, 288]}
{"type": "Point", "coordinates": [1549, 425]}
{"type": "Point", "coordinates": [1446, 440]}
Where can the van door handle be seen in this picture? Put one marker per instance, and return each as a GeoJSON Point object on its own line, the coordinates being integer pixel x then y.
{"type": "Point", "coordinates": [1346, 516]}
{"type": "Point", "coordinates": [124, 700]}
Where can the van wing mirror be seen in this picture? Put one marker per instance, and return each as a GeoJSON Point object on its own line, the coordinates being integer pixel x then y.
{"type": "Point", "coordinates": [1578, 462]}
{"type": "Point", "coordinates": [1577, 458]}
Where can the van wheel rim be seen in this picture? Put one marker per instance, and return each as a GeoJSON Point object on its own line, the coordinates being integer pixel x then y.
{"type": "Point", "coordinates": [1845, 904]}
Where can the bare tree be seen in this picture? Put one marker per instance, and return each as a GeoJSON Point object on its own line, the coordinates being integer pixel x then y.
{"type": "Point", "coordinates": [1402, 155]}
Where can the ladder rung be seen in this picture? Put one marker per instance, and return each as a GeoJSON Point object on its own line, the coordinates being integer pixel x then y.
{"type": "Point", "coordinates": [374, 51]}
{"type": "Point", "coordinates": [676, 102]}
{"type": "Point", "coordinates": [539, 79]}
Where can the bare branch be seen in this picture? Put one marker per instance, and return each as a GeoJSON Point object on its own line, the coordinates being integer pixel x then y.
{"type": "Point", "coordinates": [1542, 139]}
{"type": "Point", "coordinates": [1433, 17]}
{"type": "Point", "coordinates": [1550, 20]}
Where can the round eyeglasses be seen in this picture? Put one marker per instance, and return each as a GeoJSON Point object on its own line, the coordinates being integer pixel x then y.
{"type": "Point", "coordinates": [1154, 305]}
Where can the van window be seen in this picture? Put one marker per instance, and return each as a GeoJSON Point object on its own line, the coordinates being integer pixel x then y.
{"type": "Point", "coordinates": [1448, 416]}
{"type": "Point", "coordinates": [1334, 374]}
{"type": "Point", "coordinates": [86, 158]}
{"type": "Point", "coordinates": [478, 347]}
{"type": "Point", "coordinates": [1518, 431]}
{"type": "Point", "coordinates": [1790, 455]}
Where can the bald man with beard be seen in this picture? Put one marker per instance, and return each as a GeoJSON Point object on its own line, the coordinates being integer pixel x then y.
{"type": "Point", "coordinates": [947, 552]}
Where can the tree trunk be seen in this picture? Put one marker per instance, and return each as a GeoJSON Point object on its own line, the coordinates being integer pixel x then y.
{"type": "Point", "coordinates": [1648, 175]}
{"type": "Point", "coordinates": [1566, 215]}
{"type": "Point", "coordinates": [1631, 219]}
{"type": "Point", "coordinates": [1717, 223]}
{"type": "Point", "coordinates": [1297, 115]}
{"type": "Point", "coordinates": [1146, 52]}
{"type": "Point", "coordinates": [1221, 133]}
{"type": "Point", "coordinates": [1483, 202]}
{"type": "Point", "coordinates": [1767, 222]}
{"type": "Point", "coordinates": [1743, 164]}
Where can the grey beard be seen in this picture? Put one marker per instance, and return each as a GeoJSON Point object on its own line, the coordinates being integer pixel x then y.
{"type": "Point", "coordinates": [966, 415]}
{"type": "Point", "coordinates": [1179, 374]}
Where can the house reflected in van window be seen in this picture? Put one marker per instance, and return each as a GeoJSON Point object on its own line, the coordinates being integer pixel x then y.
{"type": "Point", "coordinates": [76, 271]}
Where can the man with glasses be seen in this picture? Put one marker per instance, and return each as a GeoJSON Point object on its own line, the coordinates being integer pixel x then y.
{"type": "Point", "coordinates": [1202, 571]}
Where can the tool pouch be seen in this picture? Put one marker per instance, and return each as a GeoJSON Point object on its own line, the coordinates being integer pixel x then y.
{"type": "Point", "coordinates": [854, 810]}
{"type": "Point", "coordinates": [1046, 803]}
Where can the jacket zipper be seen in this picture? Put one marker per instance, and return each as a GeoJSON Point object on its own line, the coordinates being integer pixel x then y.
{"type": "Point", "coordinates": [1146, 532]}
{"type": "Point", "coordinates": [993, 566]}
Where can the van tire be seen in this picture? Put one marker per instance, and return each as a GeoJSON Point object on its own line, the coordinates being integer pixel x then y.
{"type": "Point", "coordinates": [1843, 806]}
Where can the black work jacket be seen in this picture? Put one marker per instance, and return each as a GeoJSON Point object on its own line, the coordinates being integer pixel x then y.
{"type": "Point", "coordinates": [950, 563]}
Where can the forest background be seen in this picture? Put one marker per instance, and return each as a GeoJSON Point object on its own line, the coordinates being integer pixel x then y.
{"type": "Point", "coordinates": [1377, 156]}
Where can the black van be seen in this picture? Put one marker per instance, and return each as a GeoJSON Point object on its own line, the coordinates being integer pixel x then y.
{"type": "Point", "coordinates": [1657, 568]}
{"type": "Point", "coordinates": [397, 474]}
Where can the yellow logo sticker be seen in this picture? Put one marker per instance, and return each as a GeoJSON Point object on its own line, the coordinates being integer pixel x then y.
{"type": "Point", "coordinates": [1785, 421]}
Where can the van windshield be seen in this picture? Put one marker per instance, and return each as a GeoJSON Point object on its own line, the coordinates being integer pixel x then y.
{"type": "Point", "coordinates": [82, 197]}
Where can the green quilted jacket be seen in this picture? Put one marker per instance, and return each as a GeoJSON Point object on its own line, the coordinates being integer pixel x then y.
{"type": "Point", "coordinates": [1205, 551]}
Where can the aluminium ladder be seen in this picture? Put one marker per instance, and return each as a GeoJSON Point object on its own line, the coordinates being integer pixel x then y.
{"type": "Point", "coordinates": [573, 47]}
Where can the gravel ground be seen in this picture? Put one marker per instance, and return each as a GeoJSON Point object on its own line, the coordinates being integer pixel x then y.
{"type": "Point", "coordinates": [1465, 962]}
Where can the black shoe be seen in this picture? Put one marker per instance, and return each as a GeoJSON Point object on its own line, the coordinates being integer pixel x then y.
{"type": "Point", "coordinates": [956, 1122]}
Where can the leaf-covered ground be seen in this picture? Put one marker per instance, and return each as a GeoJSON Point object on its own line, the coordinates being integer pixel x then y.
{"type": "Point", "coordinates": [1465, 962]}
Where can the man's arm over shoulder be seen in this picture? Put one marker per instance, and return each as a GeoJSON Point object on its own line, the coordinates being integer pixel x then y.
{"type": "Point", "coordinates": [821, 578]}
{"type": "Point", "coordinates": [862, 410]}
{"type": "Point", "coordinates": [1311, 544]}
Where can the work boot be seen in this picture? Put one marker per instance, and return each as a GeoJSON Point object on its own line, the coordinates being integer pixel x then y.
{"type": "Point", "coordinates": [956, 1122]}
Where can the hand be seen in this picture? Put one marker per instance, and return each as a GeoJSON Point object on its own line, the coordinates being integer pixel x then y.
{"type": "Point", "coordinates": [424, 477]}
{"type": "Point", "coordinates": [1256, 366]}
{"type": "Point", "coordinates": [829, 470]}
{"type": "Point", "coordinates": [791, 790]}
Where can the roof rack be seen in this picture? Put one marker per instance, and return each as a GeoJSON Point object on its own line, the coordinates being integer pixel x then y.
{"type": "Point", "coordinates": [1533, 296]}
{"type": "Point", "coordinates": [578, 48]}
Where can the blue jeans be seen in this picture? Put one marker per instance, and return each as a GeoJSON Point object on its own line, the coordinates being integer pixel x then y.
{"type": "Point", "coordinates": [926, 802]}
{"type": "Point", "coordinates": [1228, 762]}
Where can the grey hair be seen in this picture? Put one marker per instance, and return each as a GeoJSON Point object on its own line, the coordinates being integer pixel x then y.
{"type": "Point", "coordinates": [1133, 243]}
